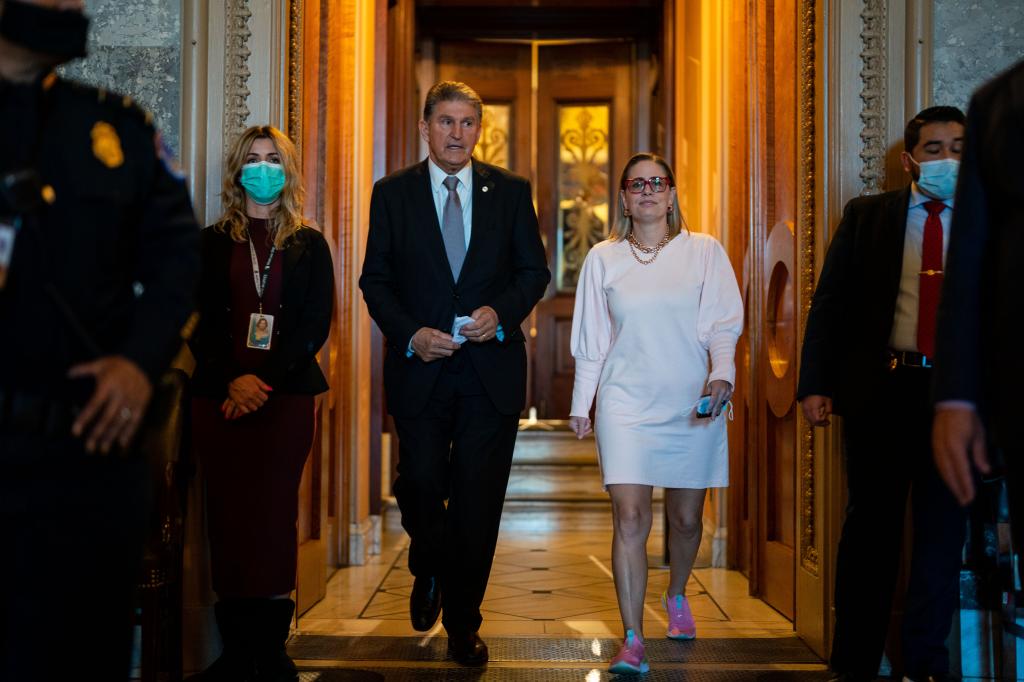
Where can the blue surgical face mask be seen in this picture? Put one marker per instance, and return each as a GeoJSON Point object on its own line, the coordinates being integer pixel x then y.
{"type": "Point", "coordinates": [938, 178]}
{"type": "Point", "coordinates": [263, 181]}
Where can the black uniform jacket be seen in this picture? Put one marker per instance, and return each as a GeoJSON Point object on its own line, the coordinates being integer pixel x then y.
{"type": "Point", "coordinates": [846, 339]}
{"type": "Point", "coordinates": [407, 281]}
{"type": "Point", "coordinates": [107, 263]}
{"type": "Point", "coordinates": [981, 314]}
{"type": "Point", "coordinates": [300, 329]}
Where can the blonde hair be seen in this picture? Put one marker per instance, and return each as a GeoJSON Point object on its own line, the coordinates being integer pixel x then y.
{"type": "Point", "coordinates": [286, 217]}
{"type": "Point", "coordinates": [623, 225]}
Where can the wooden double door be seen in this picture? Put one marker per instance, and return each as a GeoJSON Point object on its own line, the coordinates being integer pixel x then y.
{"type": "Point", "coordinates": [561, 115]}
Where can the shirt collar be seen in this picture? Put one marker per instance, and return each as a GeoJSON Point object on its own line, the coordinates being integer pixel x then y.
{"type": "Point", "coordinates": [437, 176]}
{"type": "Point", "coordinates": [917, 197]}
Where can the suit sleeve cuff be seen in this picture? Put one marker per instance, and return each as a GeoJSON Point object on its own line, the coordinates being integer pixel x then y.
{"type": "Point", "coordinates": [955, 405]}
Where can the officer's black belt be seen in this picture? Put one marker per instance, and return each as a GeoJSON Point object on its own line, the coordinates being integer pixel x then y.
{"type": "Point", "coordinates": [908, 358]}
{"type": "Point", "coordinates": [26, 414]}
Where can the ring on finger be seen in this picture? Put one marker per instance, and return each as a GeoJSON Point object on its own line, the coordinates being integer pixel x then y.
{"type": "Point", "coordinates": [125, 414]}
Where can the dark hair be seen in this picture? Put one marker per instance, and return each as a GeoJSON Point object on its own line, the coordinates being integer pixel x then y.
{"type": "Point", "coordinates": [622, 225]}
{"type": "Point", "coordinates": [912, 134]}
{"type": "Point", "coordinates": [452, 91]}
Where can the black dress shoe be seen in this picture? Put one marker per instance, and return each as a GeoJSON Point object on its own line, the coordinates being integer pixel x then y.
{"type": "Point", "coordinates": [850, 677]}
{"type": "Point", "coordinates": [425, 602]}
{"type": "Point", "coordinates": [467, 649]}
{"type": "Point", "coordinates": [935, 677]}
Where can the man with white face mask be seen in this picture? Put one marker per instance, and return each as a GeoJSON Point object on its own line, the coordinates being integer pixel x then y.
{"type": "Point", "coordinates": [868, 348]}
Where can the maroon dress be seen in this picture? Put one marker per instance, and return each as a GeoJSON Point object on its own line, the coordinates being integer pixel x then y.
{"type": "Point", "coordinates": [253, 464]}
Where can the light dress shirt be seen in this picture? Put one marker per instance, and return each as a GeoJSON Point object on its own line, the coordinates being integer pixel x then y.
{"type": "Point", "coordinates": [904, 322]}
{"type": "Point", "coordinates": [440, 194]}
{"type": "Point", "coordinates": [464, 190]}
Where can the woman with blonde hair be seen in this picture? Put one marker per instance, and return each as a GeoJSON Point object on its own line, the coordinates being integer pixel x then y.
{"type": "Point", "coordinates": [265, 301]}
{"type": "Point", "coordinates": [654, 332]}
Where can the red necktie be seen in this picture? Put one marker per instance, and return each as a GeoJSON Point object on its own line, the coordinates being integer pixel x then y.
{"type": "Point", "coordinates": [930, 278]}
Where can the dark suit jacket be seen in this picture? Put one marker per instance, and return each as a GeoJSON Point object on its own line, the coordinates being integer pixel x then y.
{"type": "Point", "coordinates": [981, 316]}
{"type": "Point", "coordinates": [119, 245]}
{"type": "Point", "coordinates": [407, 282]}
{"type": "Point", "coordinates": [301, 328]}
{"type": "Point", "coordinates": [848, 328]}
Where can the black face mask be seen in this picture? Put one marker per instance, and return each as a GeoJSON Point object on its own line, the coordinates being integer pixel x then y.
{"type": "Point", "coordinates": [60, 33]}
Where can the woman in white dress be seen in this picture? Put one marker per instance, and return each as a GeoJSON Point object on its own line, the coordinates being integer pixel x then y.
{"type": "Point", "coordinates": [657, 317]}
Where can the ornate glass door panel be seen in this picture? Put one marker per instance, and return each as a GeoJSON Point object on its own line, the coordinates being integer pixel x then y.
{"type": "Point", "coordinates": [584, 136]}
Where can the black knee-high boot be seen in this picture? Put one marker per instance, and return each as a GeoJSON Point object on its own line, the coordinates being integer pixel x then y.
{"type": "Point", "coordinates": [234, 621]}
{"type": "Point", "coordinates": [272, 622]}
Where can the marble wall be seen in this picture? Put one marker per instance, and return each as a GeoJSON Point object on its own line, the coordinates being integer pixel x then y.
{"type": "Point", "coordinates": [973, 41]}
{"type": "Point", "coordinates": [135, 49]}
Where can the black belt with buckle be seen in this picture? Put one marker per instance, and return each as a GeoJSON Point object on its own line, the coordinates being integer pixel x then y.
{"type": "Point", "coordinates": [26, 414]}
{"type": "Point", "coordinates": [908, 358]}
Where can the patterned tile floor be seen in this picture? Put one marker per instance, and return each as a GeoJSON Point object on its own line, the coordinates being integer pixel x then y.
{"type": "Point", "coordinates": [551, 581]}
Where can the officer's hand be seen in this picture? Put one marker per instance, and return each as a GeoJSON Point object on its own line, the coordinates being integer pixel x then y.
{"type": "Point", "coordinates": [432, 344]}
{"type": "Point", "coordinates": [115, 410]}
{"type": "Point", "coordinates": [817, 409]}
{"type": "Point", "coordinates": [958, 441]}
{"type": "Point", "coordinates": [484, 325]}
{"type": "Point", "coordinates": [248, 392]}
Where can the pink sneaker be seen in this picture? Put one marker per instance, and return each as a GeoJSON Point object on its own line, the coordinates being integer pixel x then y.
{"type": "Point", "coordinates": [680, 620]}
{"type": "Point", "coordinates": [631, 658]}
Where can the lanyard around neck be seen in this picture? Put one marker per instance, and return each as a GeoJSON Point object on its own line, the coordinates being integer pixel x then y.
{"type": "Point", "coordinates": [260, 281]}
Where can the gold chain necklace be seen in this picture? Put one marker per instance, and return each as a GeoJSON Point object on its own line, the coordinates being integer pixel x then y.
{"type": "Point", "coordinates": [653, 251]}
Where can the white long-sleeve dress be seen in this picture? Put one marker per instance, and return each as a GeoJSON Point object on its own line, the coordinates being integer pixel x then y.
{"type": "Point", "coordinates": [647, 340]}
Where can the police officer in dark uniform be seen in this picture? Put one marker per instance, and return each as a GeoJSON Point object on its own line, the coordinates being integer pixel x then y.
{"type": "Point", "coordinates": [98, 264]}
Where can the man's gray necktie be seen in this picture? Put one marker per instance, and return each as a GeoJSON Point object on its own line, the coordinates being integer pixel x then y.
{"type": "Point", "coordinates": [452, 228]}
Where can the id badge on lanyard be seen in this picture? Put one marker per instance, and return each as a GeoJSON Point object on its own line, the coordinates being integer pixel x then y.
{"type": "Point", "coordinates": [261, 327]}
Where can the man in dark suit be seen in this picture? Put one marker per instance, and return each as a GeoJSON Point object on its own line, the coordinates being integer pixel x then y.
{"type": "Point", "coordinates": [453, 237]}
{"type": "Point", "coordinates": [867, 356]}
{"type": "Point", "coordinates": [978, 382]}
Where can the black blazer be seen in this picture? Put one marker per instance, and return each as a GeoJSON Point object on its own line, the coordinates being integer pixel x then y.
{"type": "Point", "coordinates": [407, 282]}
{"type": "Point", "coordinates": [850, 321]}
{"type": "Point", "coordinates": [981, 318]}
{"type": "Point", "coordinates": [301, 328]}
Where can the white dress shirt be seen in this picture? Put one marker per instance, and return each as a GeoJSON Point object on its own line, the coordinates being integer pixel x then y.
{"type": "Point", "coordinates": [464, 190]}
{"type": "Point", "coordinates": [904, 322]}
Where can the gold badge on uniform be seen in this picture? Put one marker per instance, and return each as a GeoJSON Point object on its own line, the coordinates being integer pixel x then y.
{"type": "Point", "coordinates": [106, 145]}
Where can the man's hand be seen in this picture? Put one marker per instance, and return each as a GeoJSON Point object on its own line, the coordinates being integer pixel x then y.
{"type": "Point", "coordinates": [581, 426]}
{"type": "Point", "coordinates": [817, 409]}
{"type": "Point", "coordinates": [721, 393]}
{"type": "Point", "coordinates": [115, 410]}
{"type": "Point", "coordinates": [483, 327]}
{"type": "Point", "coordinates": [432, 344]}
{"type": "Point", "coordinates": [958, 438]}
{"type": "Point", "coordinates": [248, 392]}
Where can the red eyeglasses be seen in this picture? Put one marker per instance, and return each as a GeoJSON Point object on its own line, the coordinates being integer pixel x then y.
{"type": "Point", "coordinates": [657, 184]}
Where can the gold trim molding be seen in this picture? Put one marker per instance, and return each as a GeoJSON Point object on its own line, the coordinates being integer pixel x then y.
{"type": "Point", "coordinates": [874, 93]}
{"type": "Point", "coordinates": [236, 69]}
{"type": "Point", "coordinates": [295, 66]}
{"type": "Point", "coordinates": [806, 226]}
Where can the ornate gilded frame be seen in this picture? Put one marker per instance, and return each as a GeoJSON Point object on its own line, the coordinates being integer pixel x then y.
{"type": "Point", "coordinates": [295, 66]}
{"type": "Point", "coordinates": [874, 94]}
{"type": "Point", "coordinates": [806, 227]}
{"type": "Point", "coordinates": [236, 70]}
